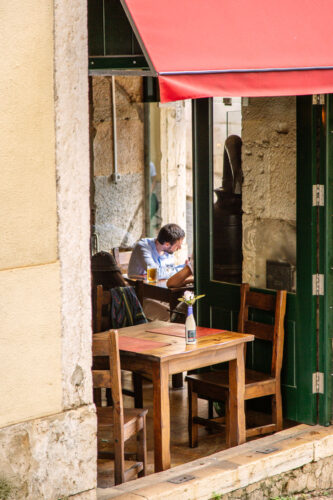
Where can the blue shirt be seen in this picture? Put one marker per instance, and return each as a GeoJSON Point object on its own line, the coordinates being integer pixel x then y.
{"type": "Point", "coordinates": [145, 254]}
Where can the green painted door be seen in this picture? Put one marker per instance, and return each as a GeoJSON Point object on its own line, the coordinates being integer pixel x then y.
{"type": "Point", "coordinates": [306, 342]}
{"type": "Point", "coordinates": [326, 338]}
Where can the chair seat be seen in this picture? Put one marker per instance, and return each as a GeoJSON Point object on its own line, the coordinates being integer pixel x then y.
{"type": "Point", "coordinates": [218, 382]}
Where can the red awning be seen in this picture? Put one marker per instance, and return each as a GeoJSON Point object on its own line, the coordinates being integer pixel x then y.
{"type": "Point", "coordinates": [204, 48]}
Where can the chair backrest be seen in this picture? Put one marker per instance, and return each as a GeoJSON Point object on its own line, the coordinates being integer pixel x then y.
{"type": "Point", "coordinates": [271, 332]}
{"type": "Point", "coordinates": [110, 378]}
{"type": "Point", "coordinates": [122, 256]}
{"type": "Point", "coordinates": [102, 309]}
{"type": "Point", "coordinates": [106, 316]}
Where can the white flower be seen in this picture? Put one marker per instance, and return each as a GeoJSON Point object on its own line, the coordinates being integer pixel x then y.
{"type": "Point", "coordinates": [188, 295]}
{"type": "Point", "coordinates": [189, 298]}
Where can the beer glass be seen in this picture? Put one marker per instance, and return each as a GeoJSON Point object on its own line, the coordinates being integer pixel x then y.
{"type": "Point", "coordinates": [151, 274]}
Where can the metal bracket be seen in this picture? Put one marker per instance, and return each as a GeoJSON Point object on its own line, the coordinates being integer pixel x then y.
{"type": "Point", "coordinates": [181, 479]}
{"type": "Point", "coordinates": [266, 451]}
{"type": "Point", "coordinates": [318, 195]}
{"type": "Point", "coordinates": [115, 177]}
{"type": "Point", "coordinates": [317, 383]}
{"type": "Point", "coordinates": [317, 284]}
{"type": "Point", "coordinates": [318, 99]}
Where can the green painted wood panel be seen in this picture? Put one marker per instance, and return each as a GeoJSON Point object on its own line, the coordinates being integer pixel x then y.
{"type": "Point", "coordinates": [325, 351]}
{"type": "Point", "coordinates": [305, 343]}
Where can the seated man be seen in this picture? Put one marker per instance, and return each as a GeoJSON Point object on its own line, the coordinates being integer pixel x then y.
{"type": "Point", "coordinates": [183, 277]}
{"type": "Point", "coordinates": [159, 251]}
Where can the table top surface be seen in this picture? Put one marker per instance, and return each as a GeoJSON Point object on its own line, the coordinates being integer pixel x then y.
{"type": "Point", "coordinates": [158, 284]}
{"type": "Point", "coordinates": [141, 341]}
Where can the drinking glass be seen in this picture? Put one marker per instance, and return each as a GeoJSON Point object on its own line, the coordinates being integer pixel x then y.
{"type": "Point", "coordinates": [151, 274]}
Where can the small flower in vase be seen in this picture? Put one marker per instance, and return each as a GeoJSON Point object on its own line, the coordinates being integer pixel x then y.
{"type": "Point", "coordinates": [190, 327]}
{"type": "Point", "coordinates": [189, 298]}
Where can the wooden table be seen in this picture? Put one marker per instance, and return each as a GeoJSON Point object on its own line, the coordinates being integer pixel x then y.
{"type": "Point", "coordinates": [163, 355]}
{"type": "Point", "coordinates": [157, 291]}
{"type": "Point", "coordinates": [160, 291]}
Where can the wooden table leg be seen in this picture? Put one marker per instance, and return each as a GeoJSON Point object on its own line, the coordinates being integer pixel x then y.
{"type": "Point", "coordinates": [236, 399]}
{"type": "Point", "coordinates": [161, 417]}
{"type": "Point", "coordinates": [177, 378]}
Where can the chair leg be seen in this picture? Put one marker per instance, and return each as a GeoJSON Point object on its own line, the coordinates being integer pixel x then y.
{"type": "Point", "coordinates": [277, 410]}
{"type": "Point", "coordinates": [142, 448]}
{"type": "Point", "coordinates": [177, 381]}
{"type": "Point", "coordinates": [227, 425]}
{"type": "Point", "coordinates": [192, 412]}
{"type": "Point", "coordinates": [97, 397]}
{"type": "Point", "coordinates": [137, 386]}
{"type": "Point", "coordinates": [210, 409]}
{"type": "Point", "coordinates": [119, 461]}
{"type": "Point", "coordinates": [108, 395]}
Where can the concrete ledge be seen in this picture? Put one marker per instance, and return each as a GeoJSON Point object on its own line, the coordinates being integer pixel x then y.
{"type": "Point", "coordinates": [235, 468]}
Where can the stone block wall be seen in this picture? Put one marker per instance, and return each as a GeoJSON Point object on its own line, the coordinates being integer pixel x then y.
{"type": "Point", "coordinates": [173, 167]}
{"type": "Point", "coordinates": [269, 187]}
{"type": "Point", "coordinates": [51, 458]}
{"type": "Point", "coordinates": [118, 207]}
{"type": "Point", "coordinates": [48, 421]}
{"type": "Point", "coordinates": [309, 481]}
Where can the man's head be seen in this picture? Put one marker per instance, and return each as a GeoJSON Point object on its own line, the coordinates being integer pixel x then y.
{"type": "Point", "coordinates": [171, 237]}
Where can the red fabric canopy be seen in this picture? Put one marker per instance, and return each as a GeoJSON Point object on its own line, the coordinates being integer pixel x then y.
{"type": "Point", "coordinates": [204, 48]}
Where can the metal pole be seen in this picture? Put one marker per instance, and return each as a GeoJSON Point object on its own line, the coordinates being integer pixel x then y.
{"type": "Point", "coordinates": [115, 177]}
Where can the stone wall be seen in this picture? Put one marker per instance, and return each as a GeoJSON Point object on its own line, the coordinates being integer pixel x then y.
{"type": "Point", "coordinates": [269, 188]}
{"type": "Point", "coordinates": [48, 422]}
{"type": "Point", "coordinates": [119, 207]}
{"type": "Point", "coordinates": [311, 480]}
{"type": "Point", "coordinates": [173, 167]}
{"type": "Point", "coordinates": [51, 458]}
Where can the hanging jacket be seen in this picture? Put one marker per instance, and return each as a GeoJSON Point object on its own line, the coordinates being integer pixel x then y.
{"type": "Point", "coordinates": [126, 309]}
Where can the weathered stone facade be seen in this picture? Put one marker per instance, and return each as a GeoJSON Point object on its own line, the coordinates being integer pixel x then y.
{"type": "Point", "coordinates": [173, 167]}
{"type": "Point", "coordinates": [119, 207]}
{"type": "Point", "coordinates": [311, 480]}
{"type": "Point", "coordinates": [50, 458]}
{"type": "Point", "coordinates": [48, 421]}
{"type": "Point", "coordinates": [269, 187]}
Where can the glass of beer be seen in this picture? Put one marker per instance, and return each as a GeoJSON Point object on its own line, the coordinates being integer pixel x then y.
{"type": "Point", "coordinates": [151, 274]}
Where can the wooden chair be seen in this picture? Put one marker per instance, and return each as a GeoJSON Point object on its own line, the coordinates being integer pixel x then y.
{"type": "Point", "coordinates": [214, 386]}
{"type": "Point", "coordinates": [102, 309]}
{"type": "Point", "coordinates": [122, 256]}
{"type": "Point", "coordinates": [121, 423]}
{"type": "Point", "coordinates": [102, 323]}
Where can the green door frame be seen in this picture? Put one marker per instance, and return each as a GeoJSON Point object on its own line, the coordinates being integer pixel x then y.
{"type": "Point", "coordinates": [326, 345]}
{"type": "Point", "coordinates": [307, 348]}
